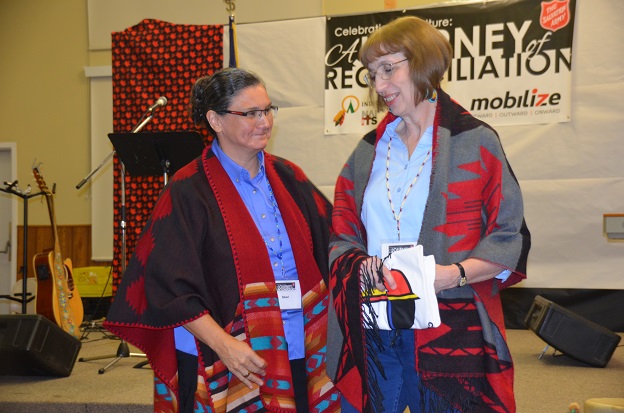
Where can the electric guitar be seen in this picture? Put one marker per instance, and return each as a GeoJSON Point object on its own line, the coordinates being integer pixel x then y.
{"type": "Point", "coordinates": [57, 296]}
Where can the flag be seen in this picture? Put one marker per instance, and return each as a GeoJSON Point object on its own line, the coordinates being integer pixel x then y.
{"type": "Point", "coordinates": [233, 46]}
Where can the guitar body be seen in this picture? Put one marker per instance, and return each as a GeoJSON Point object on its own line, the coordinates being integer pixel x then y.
{"type": "Point", "coordinates": [75, 301]}
{"type": "Point", "coordinates": [57, 296]}
{"type": "Point", "coordinates": [52, 292]}
{"type": "Point", "coordinates": [46, 290]}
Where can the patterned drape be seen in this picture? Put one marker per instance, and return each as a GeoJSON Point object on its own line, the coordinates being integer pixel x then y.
{"type": "Point", "coordinates": [153, 59]}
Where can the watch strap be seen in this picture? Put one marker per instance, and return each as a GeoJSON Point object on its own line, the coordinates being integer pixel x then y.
{"type": "Point", "coordinates": [462, 275]}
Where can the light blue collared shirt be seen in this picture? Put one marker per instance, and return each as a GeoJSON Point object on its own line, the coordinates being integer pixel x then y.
{"type": "Point", "coordinates": [377, 214]}
{"type": "Point", "coordinates": [256, 194]}
{"type": "Point", "coordinates": [376, 211]}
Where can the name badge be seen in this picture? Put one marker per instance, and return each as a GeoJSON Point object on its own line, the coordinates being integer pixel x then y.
{"type": "Point", "coordinates": [388, 248]}
{"type": "Point", "coordinates": [289, 294]}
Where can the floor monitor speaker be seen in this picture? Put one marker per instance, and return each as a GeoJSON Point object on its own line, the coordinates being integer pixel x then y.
{"type": "Point", "coordinates": [31, 345]}
{"type": "Point", "coordinates": [571, 334]}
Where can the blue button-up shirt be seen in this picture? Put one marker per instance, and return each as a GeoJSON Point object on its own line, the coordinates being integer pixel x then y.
{"type": "Point", "coordinates": [257, 196]}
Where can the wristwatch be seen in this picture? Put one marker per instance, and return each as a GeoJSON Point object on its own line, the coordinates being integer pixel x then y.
{"type": "Point", "coordinates": [462, 275]}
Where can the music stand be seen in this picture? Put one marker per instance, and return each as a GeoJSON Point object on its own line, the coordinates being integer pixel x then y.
{"type": "Point", "coordinates": [149, 154]}
{"type": "Point", "coordinates": [155, 153]}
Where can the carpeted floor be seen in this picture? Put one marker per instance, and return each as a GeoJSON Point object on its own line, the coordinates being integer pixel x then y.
{"type": "Point", "coordinates": [121, 388]}
{"type": "Point", "coordinates": [546, 385]}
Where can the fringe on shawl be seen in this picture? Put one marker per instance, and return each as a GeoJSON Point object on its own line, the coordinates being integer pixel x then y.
{"type": "Point", "coordinates": [430, 401]}
{"type": "Point", "coordinates": [373, 338]}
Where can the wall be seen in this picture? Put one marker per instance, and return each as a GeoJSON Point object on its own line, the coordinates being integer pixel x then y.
{"type": "Point", "coordinates": [45, 106]}
{"type": "Point", "coordinates": [46, 46]}
{"type": "Point", "coordinates": [45, 100]}
{"type": "Point", "coordinates": [74, 241]}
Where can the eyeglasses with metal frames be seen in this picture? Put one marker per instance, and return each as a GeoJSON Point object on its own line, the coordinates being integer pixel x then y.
{"type": "Point", "coordinates": [255, 114]}
{"type": "Point", "coordinates": [384, 71]}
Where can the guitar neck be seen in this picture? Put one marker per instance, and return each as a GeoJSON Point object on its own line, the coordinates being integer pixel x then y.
{"type": "Point", "coordinates": [50, 201]}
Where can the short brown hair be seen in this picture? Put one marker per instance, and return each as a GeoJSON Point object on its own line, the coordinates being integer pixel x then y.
{"type": "Point", "coordinates": [427, 51]}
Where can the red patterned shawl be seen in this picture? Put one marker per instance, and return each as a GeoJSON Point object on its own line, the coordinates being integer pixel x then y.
{"type": "Point", "coordinates": [474, 209]}
{"type": "Point", "coordinates": [200, 253]}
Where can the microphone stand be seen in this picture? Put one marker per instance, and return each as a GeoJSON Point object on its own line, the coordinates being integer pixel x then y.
{"type": "Point", "coordinates": [147, 116]}
{"type": "Point", "coordinates": [123, 351]}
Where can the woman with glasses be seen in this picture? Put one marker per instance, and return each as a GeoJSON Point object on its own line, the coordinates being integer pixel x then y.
{"type": "Point", "coordinates": [227, 290]}
{"type": "Point", "coordinates": [431, 177]}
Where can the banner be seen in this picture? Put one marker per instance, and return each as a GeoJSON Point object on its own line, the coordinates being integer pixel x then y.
{"type": "Point", "coordinates": [512, 62]}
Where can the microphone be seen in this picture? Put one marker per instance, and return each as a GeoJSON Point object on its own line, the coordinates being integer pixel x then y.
{"type": "Point", "coordinates": [162, 101]}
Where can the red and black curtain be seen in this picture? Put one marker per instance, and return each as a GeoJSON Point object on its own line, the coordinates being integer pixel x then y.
{"type": "Point", "coordinates": [153, 59]}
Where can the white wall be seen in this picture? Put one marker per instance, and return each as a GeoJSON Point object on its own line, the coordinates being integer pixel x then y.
{"type": "Point", "coordinates": [571, 173]}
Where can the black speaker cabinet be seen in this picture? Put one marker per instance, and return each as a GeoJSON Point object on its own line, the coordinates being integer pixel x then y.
{"type": "Point", "coordinates": [571, 334]}
{"type": "Point", "coordinates": [31, 345]}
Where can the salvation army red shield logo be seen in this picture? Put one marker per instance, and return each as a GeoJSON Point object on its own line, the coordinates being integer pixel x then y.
{"type": "Point", "coordinates": [555, 14]}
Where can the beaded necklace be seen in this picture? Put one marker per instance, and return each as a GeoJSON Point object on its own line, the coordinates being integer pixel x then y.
{"type": "Point", "coordinates": [279, 254]}
{"type": "Point", "coordinates": [397, 217]}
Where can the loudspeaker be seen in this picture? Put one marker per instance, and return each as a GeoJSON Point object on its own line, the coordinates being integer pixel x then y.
{"type": "Point", "coordinates": [571, 334]}
{"type": "Point", "coordinates": [31, 345]}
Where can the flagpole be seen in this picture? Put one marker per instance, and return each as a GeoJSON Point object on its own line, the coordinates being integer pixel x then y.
{"type": "Point", "coordinates": [230, 7]}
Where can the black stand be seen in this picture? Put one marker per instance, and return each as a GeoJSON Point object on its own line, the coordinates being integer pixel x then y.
{"type": "Point", "coordinates": [148, 154]}
{"type": "Point", "coordinates": [12, 188]}
{"type": "Point", "coordinates": [123, 351]}
{"type": "Point", "coordinates": [156, 153]}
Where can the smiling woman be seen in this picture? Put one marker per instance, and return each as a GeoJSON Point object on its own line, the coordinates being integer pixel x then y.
{"type": "Point", "coordinates": [430, 178]}
{"type": "Point", "coordinates": [248, 132]}
{"type": "Point", "coordinates": [234, 255]}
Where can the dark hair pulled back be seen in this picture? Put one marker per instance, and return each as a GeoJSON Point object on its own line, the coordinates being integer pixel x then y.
{"type": "Point", "coordinates": [215, 92]}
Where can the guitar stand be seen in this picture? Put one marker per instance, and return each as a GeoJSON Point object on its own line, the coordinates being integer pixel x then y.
{"type": "Point", "coordinates": [13, 188]}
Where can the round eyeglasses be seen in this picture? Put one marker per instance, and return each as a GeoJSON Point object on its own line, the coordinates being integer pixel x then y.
{"type": "Point", "coordinates": [255, 114]}
{"type": "Point", "coordinates": [385, 71]}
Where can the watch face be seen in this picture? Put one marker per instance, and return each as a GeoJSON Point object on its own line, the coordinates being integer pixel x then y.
{"type": "Point", "coordinates": [462, 281]}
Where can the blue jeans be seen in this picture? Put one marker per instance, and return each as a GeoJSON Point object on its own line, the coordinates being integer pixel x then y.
{"type": "Point", "coordinates": [401, 388]}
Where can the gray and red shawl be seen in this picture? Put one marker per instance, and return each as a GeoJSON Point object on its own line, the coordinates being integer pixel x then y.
{"type": "Point", "coordinates": [474, 210]}
{"type": "Point", "coordinates": [199, 253]}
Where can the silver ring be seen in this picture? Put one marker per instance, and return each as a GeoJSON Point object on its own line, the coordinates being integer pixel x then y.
{"type": "Point", "coordinates": [246, 375]}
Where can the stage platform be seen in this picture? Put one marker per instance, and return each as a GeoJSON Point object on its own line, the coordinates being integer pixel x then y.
{"type": "Point", "coordinates": [548, 385]}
